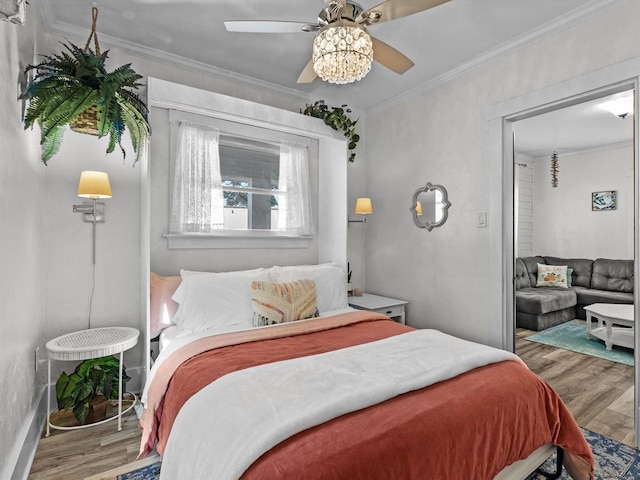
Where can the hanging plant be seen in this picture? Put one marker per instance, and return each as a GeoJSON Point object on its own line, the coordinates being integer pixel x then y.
{"type": "Point", "coordinates": [74, 88]}
{"type": "Point", "coordinates": [336, 118]}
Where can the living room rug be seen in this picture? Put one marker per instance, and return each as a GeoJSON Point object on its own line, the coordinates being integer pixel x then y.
{"type": "Point", "coordinates": [573, 336]}
{"type": "Point", "coordinates": [613, 460]}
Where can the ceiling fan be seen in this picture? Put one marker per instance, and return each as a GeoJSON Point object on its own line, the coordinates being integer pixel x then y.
{"type": "Point", "coordinates": [355, 20]}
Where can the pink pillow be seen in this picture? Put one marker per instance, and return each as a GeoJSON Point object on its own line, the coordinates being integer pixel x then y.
{"type": "Point", "coordinates": [162, 307]}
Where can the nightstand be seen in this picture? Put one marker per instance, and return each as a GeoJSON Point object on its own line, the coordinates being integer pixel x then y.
{"type": "Point", "coordinates": [391, 307]}
{"type": "Point", "coordinates": [85, 344]}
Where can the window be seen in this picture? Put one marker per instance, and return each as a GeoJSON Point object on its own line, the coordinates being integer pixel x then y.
{"type": "Point", "coordinates": [250, 173]}
{"type": "Point", "coordinates": [232, 179]}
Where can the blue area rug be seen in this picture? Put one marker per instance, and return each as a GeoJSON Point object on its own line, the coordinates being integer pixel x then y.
{"type": "Point", "coordinates": [150, 472]}
{"type": "Point", "coordinates": [613, 460]}
{"type": "Point", "coordinates": [573, 336]}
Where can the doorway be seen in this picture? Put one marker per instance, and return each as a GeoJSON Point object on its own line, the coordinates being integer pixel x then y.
{"type": "Point", "coordinates": [562, 160]}
{"type": "Point", "coordinates": [499, 154]}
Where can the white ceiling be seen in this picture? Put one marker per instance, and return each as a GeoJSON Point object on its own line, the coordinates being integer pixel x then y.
{"type": "Point", "coordinates": [585, 126]}
{"type": "Point", "coordinates": [442, 41]}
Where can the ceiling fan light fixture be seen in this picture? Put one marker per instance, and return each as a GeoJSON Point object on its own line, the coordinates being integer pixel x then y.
{"type": "Point", "coordinates": [342, 53]}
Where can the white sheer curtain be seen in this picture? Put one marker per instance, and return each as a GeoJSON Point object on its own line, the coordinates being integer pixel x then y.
{"type": "Point", "coordinates": [197, 201]}
{"type": "Point", "coordinates": [294, 199]}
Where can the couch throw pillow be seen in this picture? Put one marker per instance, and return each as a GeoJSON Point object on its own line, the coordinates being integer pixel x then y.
{"type": "Point", "coordinates": [275, 302]}
{"type": "Point", "coordinates": [552, 276]}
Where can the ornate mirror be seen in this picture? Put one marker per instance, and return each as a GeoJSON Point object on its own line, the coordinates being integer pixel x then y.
{"type": "Point", "coordinates": [430, 206]}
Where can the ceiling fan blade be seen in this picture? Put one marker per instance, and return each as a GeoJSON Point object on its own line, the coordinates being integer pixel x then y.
{"type": "Point", "coordinates": [269, 26]}
{"type": "Point", "coordinates": [394, 9]}
{"type": "Point", "coordinates": [390, 57]}
{"type": "Point", "coordinates": [308, 75]}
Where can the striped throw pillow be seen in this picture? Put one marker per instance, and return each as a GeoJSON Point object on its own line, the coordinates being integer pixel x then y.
{"type": "Point", "coordinates": [282, 302]}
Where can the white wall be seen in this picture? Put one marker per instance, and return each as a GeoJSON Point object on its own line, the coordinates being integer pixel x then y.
{"type": "Point", "coordinates": [165, 261]}
{"type": "Point", "coordinates": [118, 288]}
{"type": "Point", "coordinates": [565, 225]}
{"type": "Point", "coordinates": [22, 203]}
{"type": "Point", "coordinates": [45, 248]}
{"type": "Point", "coordinates": [440, 136]}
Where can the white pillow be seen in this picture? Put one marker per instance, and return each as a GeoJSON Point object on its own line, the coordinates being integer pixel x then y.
{"type": "Point", "coordinates": [330, 280]}
{"type": "Point", "coordinates": [215, 299]}
{"type": "Point", "coordinates": [256, 271]}
{"type": "Point", "coordinates": [552, 276]}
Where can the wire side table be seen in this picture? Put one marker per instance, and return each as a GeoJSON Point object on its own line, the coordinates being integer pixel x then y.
{"type": "Point", "coordinates": [85, 344]}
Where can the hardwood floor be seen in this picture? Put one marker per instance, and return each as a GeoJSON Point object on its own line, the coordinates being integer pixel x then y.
{"type": "Point", "coordinates": [78, 454]}
{"type": "Point", "coordinates": [598, 393]}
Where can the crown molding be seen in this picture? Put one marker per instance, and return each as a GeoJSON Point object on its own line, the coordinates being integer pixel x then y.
{"type": "Point", "coordinates": [574, 17]}
{"type": "Point", "coordinates": [593, 149]}
{"type": "Point", "coordinates": [68, 31]}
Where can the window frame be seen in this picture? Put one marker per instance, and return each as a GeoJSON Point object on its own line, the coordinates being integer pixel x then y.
{"type": "Point", "coordinates": [236, 238]}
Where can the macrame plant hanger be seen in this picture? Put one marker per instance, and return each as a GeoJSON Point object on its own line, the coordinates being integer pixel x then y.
{"type": "Point", "coordinates": [87, 121]}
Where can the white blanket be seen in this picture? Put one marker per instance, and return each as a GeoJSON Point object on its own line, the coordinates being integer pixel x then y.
{"type": "Point", "coordinates": [229, 424]}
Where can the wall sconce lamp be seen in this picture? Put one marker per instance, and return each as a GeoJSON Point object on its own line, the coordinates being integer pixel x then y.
{"type": "Point", "coordinates": [364, 208]}
{"type": "Point", "coordinates": [93, 185]}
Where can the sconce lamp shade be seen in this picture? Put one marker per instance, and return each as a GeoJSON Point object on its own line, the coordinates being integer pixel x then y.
{"type": "Point", "coordinates": [94, 185]}
{"type": "Point", "coordinates": [363, 206]}
{"type": "Point", "coordinates": [418, 207]}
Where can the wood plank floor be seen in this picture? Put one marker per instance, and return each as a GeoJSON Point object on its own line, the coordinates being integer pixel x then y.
{"type": "Point", "coordinates": [77, 454]}
{"type": "Point", "coordinates": [598, 393]}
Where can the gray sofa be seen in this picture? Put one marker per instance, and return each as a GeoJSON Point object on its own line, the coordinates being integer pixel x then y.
{"type": "Point", "coordinates": [592, 281]}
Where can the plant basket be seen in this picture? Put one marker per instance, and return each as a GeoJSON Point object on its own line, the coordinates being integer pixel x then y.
{"type": "Point", "coordinates": [86, 122]}
{"type": "Point", "coordinates": [97, 409]}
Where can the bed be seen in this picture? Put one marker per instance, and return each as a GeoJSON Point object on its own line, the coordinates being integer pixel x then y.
{"type": "Point", "coordinates": [344, 395]}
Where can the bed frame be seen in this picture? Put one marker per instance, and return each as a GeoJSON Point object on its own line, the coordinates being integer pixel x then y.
{"type": "Point", "coordinates": [521, 469]}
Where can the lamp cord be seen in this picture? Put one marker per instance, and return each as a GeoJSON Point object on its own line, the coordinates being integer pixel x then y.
{"type": "Point", "coordinates": [93, 262]}
{"type": "Point", "coordinates": [91, 289]}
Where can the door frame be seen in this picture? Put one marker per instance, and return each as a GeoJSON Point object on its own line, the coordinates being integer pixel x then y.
{"type": "Point", "coordinates": [499, 154]}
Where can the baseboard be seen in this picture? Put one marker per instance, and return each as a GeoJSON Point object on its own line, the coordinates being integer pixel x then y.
{"type": "Point", "coordinates": [33, 429]}
{"type": "Point", "coordinates": [35, 422]}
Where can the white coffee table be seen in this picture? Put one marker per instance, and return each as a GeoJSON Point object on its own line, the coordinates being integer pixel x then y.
{"type": "Point", "coordinates": [608, 315]}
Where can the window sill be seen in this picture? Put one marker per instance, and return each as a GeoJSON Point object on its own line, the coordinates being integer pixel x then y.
{"type": "Point", "coordinates": [236, 240]}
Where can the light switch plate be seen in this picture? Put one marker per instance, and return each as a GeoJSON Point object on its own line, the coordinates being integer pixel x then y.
{"type": "Point", "coordinates": [482, 220]}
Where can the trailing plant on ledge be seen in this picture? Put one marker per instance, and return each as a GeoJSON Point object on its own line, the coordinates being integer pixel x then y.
{"type": "Point", "coordinates": [336, 118]}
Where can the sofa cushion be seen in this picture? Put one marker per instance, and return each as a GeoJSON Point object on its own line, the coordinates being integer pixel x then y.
{"type": "Point", "coordinates": [532, 267]}
{"type": "Point", "coordinates": [522, 276]}
{"type": "Point", "coordinates": [612, 275]}
{"type": "Point", "coordinates": [582, 269]}
{"type": "Point", "coordinates": [587, 296]}
{"type": "Point", "coordinates": [544, 300]}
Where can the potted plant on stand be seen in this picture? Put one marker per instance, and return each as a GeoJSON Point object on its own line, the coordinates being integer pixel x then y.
{"type": "Point", "coordinates": [90, 388]}
{"type": "Point", "coordinates": [74, 88]}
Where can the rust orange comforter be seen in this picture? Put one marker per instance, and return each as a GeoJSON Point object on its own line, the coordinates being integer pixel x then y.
{"type": "Point", "coordinates": [471, 426]}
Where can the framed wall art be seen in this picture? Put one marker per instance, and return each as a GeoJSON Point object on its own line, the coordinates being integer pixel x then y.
{"type": "Point", "coordinates": [603, 200]}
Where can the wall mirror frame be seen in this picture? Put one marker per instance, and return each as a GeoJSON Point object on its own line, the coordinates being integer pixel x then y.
{"type": "Point", "coordinates": [430, 206]}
